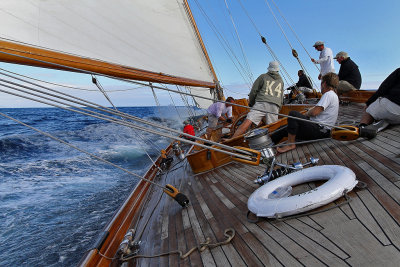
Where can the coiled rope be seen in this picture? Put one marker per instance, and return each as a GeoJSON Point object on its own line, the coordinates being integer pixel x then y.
{"type": "Point", "coordinates": [229, 233]}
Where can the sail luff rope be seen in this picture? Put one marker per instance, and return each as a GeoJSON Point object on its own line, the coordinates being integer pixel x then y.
{"type": "Point", "coordinates": [125, 123]}
{"type": "Point", "coordinates": [134, 82]}
{"type": "Point", "coordinates": [240, 43]}
{"type": "Point", "coordinates": [287, 39]}
{"type": "Point", "coordinates": [81, 150]}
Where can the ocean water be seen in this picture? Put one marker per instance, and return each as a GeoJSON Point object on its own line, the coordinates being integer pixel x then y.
{"type": "Point", "coordinates": [54, 200]}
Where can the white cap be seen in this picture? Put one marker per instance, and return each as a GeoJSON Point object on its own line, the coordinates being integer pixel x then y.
{"type": "Point", "coordinates": [273, 66]}
{"type": "Point", "coordinates": [341, 54]}
{"type": "Point", "coordinates": [317, 43]}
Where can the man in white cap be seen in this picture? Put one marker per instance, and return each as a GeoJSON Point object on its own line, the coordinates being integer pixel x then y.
{"type": "Point", "coordinates": [266, 95]}
{"type": "Point", "coordinates": [325, 59]}
{"type": "Point", "coordinates": [349, 74]}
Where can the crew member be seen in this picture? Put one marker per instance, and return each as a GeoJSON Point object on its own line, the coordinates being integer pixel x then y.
{"type": "Point", "coordinates": [325, 59]}
{"type": "Point", "coordinates": [265, 95]}
{"type": "Point", "coordinates": [216, 113]}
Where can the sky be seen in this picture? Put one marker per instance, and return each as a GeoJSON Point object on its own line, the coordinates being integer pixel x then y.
{"type": "Point", "coordinates": [367, 30]}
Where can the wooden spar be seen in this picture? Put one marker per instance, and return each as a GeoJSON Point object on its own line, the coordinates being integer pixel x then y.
{"type": "Point", "coordinates": [220, 93]}
{"type": "Point", "coordinates": [38, 57]}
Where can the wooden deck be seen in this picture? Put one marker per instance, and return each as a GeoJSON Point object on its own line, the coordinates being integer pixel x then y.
{"type": "Point", "coordinates": [364, 232]}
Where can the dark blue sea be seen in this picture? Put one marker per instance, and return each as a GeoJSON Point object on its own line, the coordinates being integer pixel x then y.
{"type": "Point", "coordinates": [54, 200]}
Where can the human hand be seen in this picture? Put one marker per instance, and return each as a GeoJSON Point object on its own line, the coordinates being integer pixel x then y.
{"type": "Point", "coordinates": [313, 60]}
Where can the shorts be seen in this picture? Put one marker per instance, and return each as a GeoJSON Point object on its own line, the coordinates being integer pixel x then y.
{"type": "Point", "coordinates": [345, 86]}
{"type": "Point", "coordinates": [256, 116]}
{"type": "Point", "coordinates": [305, 90]}
{"type": "Point", "coordinates": [384, 109]}
{"type": "Point", "coordinates": [212, 121]}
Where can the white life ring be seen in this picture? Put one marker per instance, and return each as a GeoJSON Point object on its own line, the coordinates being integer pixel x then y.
{"type": "Point", "coordinates": [340, 179]}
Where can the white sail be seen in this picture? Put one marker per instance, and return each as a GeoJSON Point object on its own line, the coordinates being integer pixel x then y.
{"type": "Point", "coordinates": [153, 35]}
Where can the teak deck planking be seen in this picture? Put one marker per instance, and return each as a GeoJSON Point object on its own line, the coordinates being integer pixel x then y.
{"type": "Point", "coordinates": [365, 231]}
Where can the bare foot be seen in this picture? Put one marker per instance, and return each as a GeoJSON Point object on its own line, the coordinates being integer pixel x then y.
{"type": "Point", "coordinates": [284, 149]}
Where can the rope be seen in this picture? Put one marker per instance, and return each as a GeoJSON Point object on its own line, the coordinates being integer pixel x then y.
{"type": "Point", "coordinates": [286, 74]}
{"type": "Point", "coordinates": [298, 39]}
{"type": "Point", "coordinates": [124, 123]}
{"type": "Point", "coordinates": [302, 142]}
{"type": "Point", "coordinates": [228, 233]}
{"type": "Point", "coordinates": [71, 87]}
{"type": "Point", "coordinates": [167, 89]}
{"type": "Point", "coordinates": [294, 52]}
{"type": "Point", "coordinates": [240, 43]}
{"type": "Point", "coordinates": [279, 219]}
{"type": "Point", "coordinates": [81, 150]}
{"type": "Point", "coordinates": [82, 102]}
{"type": "Point", "coordinates": [97, 83]}
{"type": "Point", "coordinates": [347, 201]}
{"type": "Point", "coordinates": [225, 45]}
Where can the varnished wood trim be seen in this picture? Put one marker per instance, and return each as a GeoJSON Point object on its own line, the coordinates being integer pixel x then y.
{"type": "Point", "coordinates": [38, 57]}
{"type": "Point", "coordinates": [121, 222]}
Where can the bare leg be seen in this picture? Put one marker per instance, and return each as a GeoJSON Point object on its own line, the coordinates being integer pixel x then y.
{"type": "Point", "coordinates": [242, 128]}
{"type": "Point", "coordinates": [208, 133]}
{"type": "Point", "coordinates": [366, 118]}
{"type": "Point", "coordinates": [291, 139]}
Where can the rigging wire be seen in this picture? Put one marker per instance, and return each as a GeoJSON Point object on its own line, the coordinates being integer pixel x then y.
{"type": "Point", "coordinates": [81, 150]}
{"type": "Point", "coordinates": [190, 109]}
{"type": "Point", "coordinates": [225, 45]}
{"type": "Point", "coordinates": [97, 83]}
{"type": "Point", "coordinates": [176, 108]}
{"type": "Point", "coordinates": [97, 115]}
{"type": "Point", "coordinates": [298, 39]}
{"type": "Point", "coordinates": [286, 75]}
{"type": "Point", "coordinates": [167, 89]}
{"type": "Point", "coordinates": [240, 43]}
{"type": "Point", "coordinates": [294, 52]}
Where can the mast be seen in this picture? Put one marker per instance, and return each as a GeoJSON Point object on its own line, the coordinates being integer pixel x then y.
{"type": "Point", "coordinates": [220, 94]}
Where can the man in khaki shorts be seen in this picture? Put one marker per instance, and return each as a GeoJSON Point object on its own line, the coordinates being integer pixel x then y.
{"type": "Point", "coordinates": [265, 96]}
{"type": "Point", "coordinates": [385, 103]}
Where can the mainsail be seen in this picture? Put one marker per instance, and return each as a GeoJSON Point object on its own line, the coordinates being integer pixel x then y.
{"type": "Point", "coordinates": [148, 40]}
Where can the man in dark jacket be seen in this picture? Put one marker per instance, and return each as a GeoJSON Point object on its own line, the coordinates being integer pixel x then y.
{"type": "Point", "coordinates": [303, 85]}
{"type": "Point", "coordinates": [349, 74]}
{"type": "Point", "coordinates": [385, 103]}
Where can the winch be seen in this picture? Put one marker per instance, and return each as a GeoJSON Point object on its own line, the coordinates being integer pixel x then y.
{"type": "Point", "coordinates": [178, 151]}
{"type": "Point", "coordinates": [259, 139]}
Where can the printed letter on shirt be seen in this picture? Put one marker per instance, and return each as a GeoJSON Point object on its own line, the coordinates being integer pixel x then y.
{"type": "Point", "coordinates": [278, 90]}
{"type": "Point", "coordinates": [268, 90]}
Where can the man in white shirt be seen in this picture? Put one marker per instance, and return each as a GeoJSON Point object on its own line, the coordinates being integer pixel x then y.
{"type": "Point", "coordinates": [216, 112]}
{"type": "Point", "coordinates": [324, 113]}
{"type": "Point", "coordinates": [325, 59]}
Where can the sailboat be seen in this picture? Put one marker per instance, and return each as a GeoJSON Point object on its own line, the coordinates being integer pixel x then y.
{"type": "Point", "coordinates": [150, 228]}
